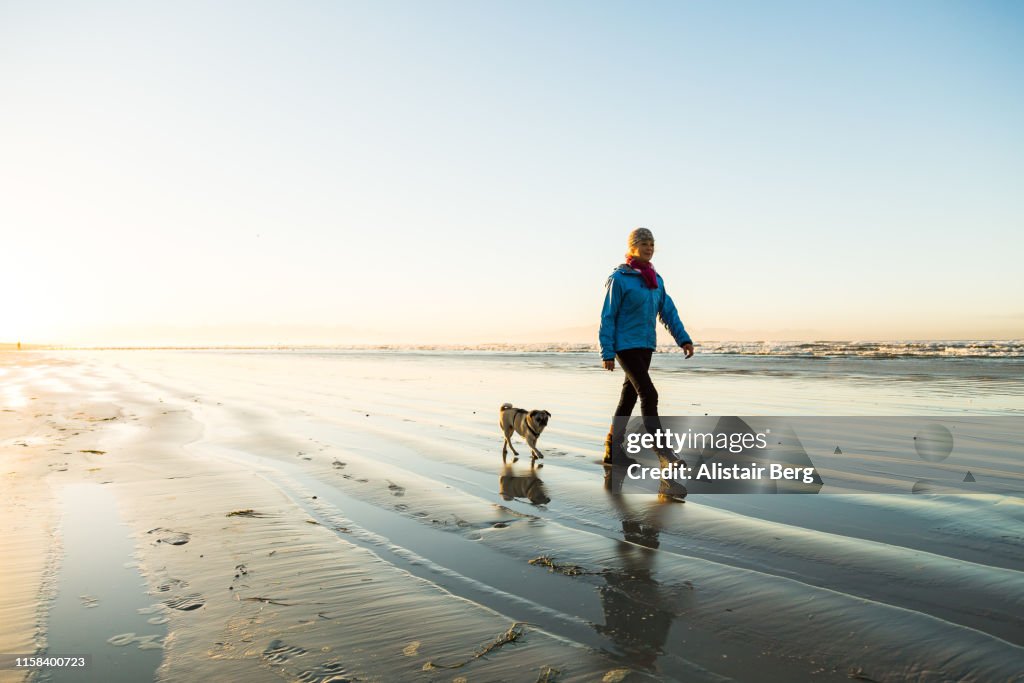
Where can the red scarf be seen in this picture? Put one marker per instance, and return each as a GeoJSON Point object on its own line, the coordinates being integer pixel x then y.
{"type": "Point", "coordinates": [646, 270]}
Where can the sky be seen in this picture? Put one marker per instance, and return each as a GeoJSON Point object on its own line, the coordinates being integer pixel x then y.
{"type": "Point", "coordinates": [465, 172]}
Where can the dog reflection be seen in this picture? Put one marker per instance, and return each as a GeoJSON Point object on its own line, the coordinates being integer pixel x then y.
{"type": "Point", "coordinates": [528, 486]}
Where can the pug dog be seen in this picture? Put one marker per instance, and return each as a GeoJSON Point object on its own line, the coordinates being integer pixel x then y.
{"type": "Point", "coordinates": [528, 423]}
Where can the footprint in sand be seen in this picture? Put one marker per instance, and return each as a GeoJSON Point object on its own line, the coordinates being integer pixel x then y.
{"type": "Point", "coordinates": [186, 603]}
{"type": "Point", "coordinates": [172, 585]}
{"type": "Point", "coordinates": [279, 653]}
{"type": "Point", "coordinates": [338, 465]}
{"type": "Point", "coordinates": [329, 672]}
{"type": "Point", "coordinates": [395, 489]}
{"type": "Point", "coordinates": [155, 608]}
{"type": "Point", "coordinates": [401, 507]}
{"type": "Point", "coordinates": [151, 642]}
{"type": "Point", "coordinates": [171, 537]}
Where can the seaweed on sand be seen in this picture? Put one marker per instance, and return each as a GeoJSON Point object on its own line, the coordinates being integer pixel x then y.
{"type": "Point", "coordinates": [548, 675]}
{"type": "Point", "coordinates": [248, 512]}
{"type": "Point", "coordinates": [567, 569]}
{"type": "Point", "coordinates": [267, 601]}
{"type": "Point", "coordinates": [514, 633]}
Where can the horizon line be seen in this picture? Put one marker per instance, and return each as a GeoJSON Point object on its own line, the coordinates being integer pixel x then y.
{"type": "Point", "coordinates": [32, 346]}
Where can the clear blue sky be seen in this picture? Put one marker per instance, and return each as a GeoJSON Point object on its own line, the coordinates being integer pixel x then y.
{"type": "Point", "coordinates": [467, 171]}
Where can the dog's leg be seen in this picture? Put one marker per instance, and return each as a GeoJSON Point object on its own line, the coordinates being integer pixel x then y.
{"type": "Point", "coordinates": [531, 441]}
{"type": "Point", "coordinates": [508, 444]}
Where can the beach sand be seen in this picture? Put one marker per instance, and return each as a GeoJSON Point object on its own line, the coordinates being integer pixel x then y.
{"type": "Point", "coordinates": [346, 516]}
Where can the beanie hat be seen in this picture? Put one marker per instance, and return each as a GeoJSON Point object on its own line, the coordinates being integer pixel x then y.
{"type": "Point", "coordinates": [639, 235]}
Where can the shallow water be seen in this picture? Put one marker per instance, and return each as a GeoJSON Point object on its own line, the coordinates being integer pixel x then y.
{"type": "Point", "coordinates": [402, 454]}
{"type": "Point", "coordinates": [101, 607]}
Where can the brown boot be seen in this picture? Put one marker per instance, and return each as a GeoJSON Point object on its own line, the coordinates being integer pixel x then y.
{"type": "Point", "coordinates": [614, 453]}
{"type": "Point", "coordinates": [609, 451]}
{"type": "Point", "coordinates": [671, 490]}
{"type": "Point", "coordinates": [666, 456]}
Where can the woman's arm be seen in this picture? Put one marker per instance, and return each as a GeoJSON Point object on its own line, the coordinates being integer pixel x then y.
{"type": "Point", "coordinates": [609, 315]}
{"type": "Point", "coordinates": [670, 318]}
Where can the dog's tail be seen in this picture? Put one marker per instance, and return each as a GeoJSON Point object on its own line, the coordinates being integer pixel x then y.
{"type": "Point", "coordinates": [505, 406]}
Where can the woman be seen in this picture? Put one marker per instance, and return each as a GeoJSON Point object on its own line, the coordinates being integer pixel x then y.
{"type": "Point", "coordinates": [635, 296]}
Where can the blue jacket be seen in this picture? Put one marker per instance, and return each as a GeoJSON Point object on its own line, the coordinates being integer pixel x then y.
{"type": "Point", "coordinates": [630, 307]}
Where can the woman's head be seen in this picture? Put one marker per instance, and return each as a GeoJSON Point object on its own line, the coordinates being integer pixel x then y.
{"type": "Point", "coordinates": [641, 244]}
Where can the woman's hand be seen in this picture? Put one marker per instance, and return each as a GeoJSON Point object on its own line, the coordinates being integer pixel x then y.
{"type": "Point", "coordinates": [688, 350]}
{"type": "Point", "coordinates": [609, 364]}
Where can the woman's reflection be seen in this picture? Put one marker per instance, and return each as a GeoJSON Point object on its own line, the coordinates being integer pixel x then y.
{"type": "Point", "coordinates": [638, 610]}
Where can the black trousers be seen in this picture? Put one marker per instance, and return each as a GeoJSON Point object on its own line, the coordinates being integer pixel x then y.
{"type": "Point", "coordinates": [636, 363]}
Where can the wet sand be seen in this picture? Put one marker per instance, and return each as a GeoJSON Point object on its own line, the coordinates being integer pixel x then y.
{"type": "Point", "coordinates": [339, 517]}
